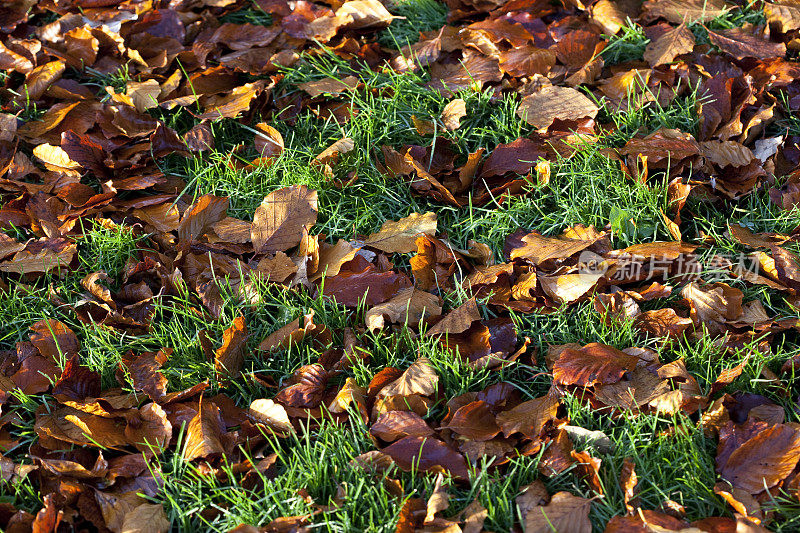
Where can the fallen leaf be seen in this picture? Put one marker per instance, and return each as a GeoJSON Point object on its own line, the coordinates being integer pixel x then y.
{"type": "Point", "coordinates": [452, 114]}
{"type": "Point", "coordinates": [203, 433]}
{"type": "Point", "coordinates": [592, 364]}
{"type": "Point", "coordinates": [763, 460]}
{"type": "Point", "coordinates": [741, 44]}
{"type": "Point", "coordinates": [228, 359]}
{"type": "Point", "coordinates": [408, 307]}
{"type": "Point", "coordinates": [271, 414]}
{"type": "Point", "coordinates": [279, 221]}
{"type": "Point", "coordinates": [439, 500]}
{"type": "Point", "coordinates": [400, 237]}
{"type": "Point", "coordinates": [565, 512]}
{"type": "Point", "coordinates": [419, 378]}
{"type": "Point", "coordinates": [667, 47]}
{"type": "Point", "coordinates": [541, 108]}
{"type": "Point", "coordinates": [146, 518]}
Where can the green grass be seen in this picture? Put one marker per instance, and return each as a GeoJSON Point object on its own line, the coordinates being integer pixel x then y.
{"type": "Point", "coordinates": [627, 45]}
{"type": "Point", "coordinates": [413, 18]}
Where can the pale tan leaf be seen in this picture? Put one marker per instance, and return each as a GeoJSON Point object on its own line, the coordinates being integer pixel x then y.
{"type": "Point", "coordinates": [409, 306]}
{"type": "Point", "coordinates": [401, 236]}
{"type": "Point", "coordinates": [330, 86]}
{"type": "Point", "coordinates": [419, 378]}
{"type": "Point", "coordinates": [565, 513]}
{"type": "Point", "coordinates": [541, 108]}
{"type": "Point", "coordinates": [452, 114]}
{"type": "Point", "coordinates": [784, 15]}
{"type": "Point", "coordinates": [146, 518]}
{"type": "Point", "coordinates": [269, 413]}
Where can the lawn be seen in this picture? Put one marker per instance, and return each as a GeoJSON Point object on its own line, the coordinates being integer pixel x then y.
{"type": "Point", "coordinates": [400, 265]}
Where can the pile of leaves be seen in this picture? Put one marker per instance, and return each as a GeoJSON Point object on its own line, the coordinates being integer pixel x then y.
{"type": "Point", "coordinates": [78, 151]}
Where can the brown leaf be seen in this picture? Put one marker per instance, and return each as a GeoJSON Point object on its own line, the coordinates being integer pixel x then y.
{"type": "Point", "coordinates": [74, 426]}
{"type": "Point", "coordinates": [330, 155]}
{"type": "Point", "coordinates": [48, 518]}
{"type": "Point", "coordinates": [350, 393]}
{"type": "Point", "coordinates": [439, 500]}
{"type": "Point", "coordinates": [365, 14]}
{"type": "Point", "coordinates": [149, 431]}
{"type": "Point", "coordinates": [203, 433]}
{"type": "Point", "coordinates": [662, 323]}
{"type": "Point", "coordinates": [541, 108]}
{"type": "Point", "coordinates": [144, 372]}
{"type": "Point", "coordinates": [727, 153]}
{"type": "Point", "coordinates": [741, 501]}
{"type": "Point", "coordinates": [54, 340]}
{"type": "Point", "coordinates": [291, 334]}
{"type": "Point", "coordinates": [537, 249]}
{"type": "Point", "coordinates": [713, 304]}
{"type": "Point", "coordinates": [609, 15]}
{"type": "Point", "coordinates": [641, 387]}
{"type": "Point", "coordinates": [669, 45]}
{"type": "Point", "coordinates": [427, 455]}
{"type": "Point", "coordinates": [332, 258]}
{"type": "Point", "coordinates": [400, 236]}
{"type": "Point", "coordinates": [679, 11]}
{"type": "Point", "coordinates": [268, 141]}
{"type": "Point", "coordinates": [394, 425]}
{"type": "Point", "coordinates": [359, 280]}
{"type": "Point", "coordinates": [207, 211]}
{"type": "Point", "coordinates": [627, 482]}
{"type": "Point", "coordinates": [763, 460]}
{"type": "Point", "coordinates": [306, 387]}
{"type": "Point", "coordinates": [531, 497]}
{"type": "Point", "coordinates": [458, 320]}
{"type": "Point", "coordinates": [474, 421]}
{"type": "Point", "coordinates": [741, 43]}
{"type": "Point", "coordinates": [330, 86]}
{"type": "Point", "coordinates": [235, 102]}
{"type": "Point", "coordinates": [85, 151]}
{"type": "Point", "coordinates": [525, 61]}
{"type": "Point", "coordinates": [141, 95]}
{"type": "Point", "coordinates": [518, 156]}
{"type": "Point", "coordinates": [76, 382]}
{"type": "Point", "coordinates": [40, 78]}
{"type": "Point", "coordinates": [784, 15]}
{"type": "Point", "coordinates": [565, 512]}
{"type": "Point", "coordinates": [228, 359]}
{"type": "Point", "coordinates": [279, 221]}
{"type": "Point", "coordinates": [529, 418]}
{"type": "Point", "coordinates": [42, 260]}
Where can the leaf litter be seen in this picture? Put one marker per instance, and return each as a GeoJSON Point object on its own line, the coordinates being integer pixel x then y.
{"type": "Point", "coordinates": [73, 157]}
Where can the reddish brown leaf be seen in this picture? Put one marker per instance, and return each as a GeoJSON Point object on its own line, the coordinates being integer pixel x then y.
{"type": "Point", "coordinates": [427, 455]}
{"type": "Point", "coordinates": [228, 359]}
{"type": "Point", "coordinates": [594, 363]}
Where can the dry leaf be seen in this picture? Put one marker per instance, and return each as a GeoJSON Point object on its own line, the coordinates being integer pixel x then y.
{"type": "Point", "coordinates": [279, 221]}
{"type": "Point", "coordinates": [452, 114]}
{"type": "Point", "coordinates": [408, 307]}
{"type": "Point", "coordinates": [668, 46]}
{"type": "Point", "coordinates": [401, 236]}
{"type": "Point", "coordinates": [541, 108]}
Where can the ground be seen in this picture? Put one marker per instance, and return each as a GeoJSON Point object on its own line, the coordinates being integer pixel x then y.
{"type": "Point", "coordinates": [183, 296]}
